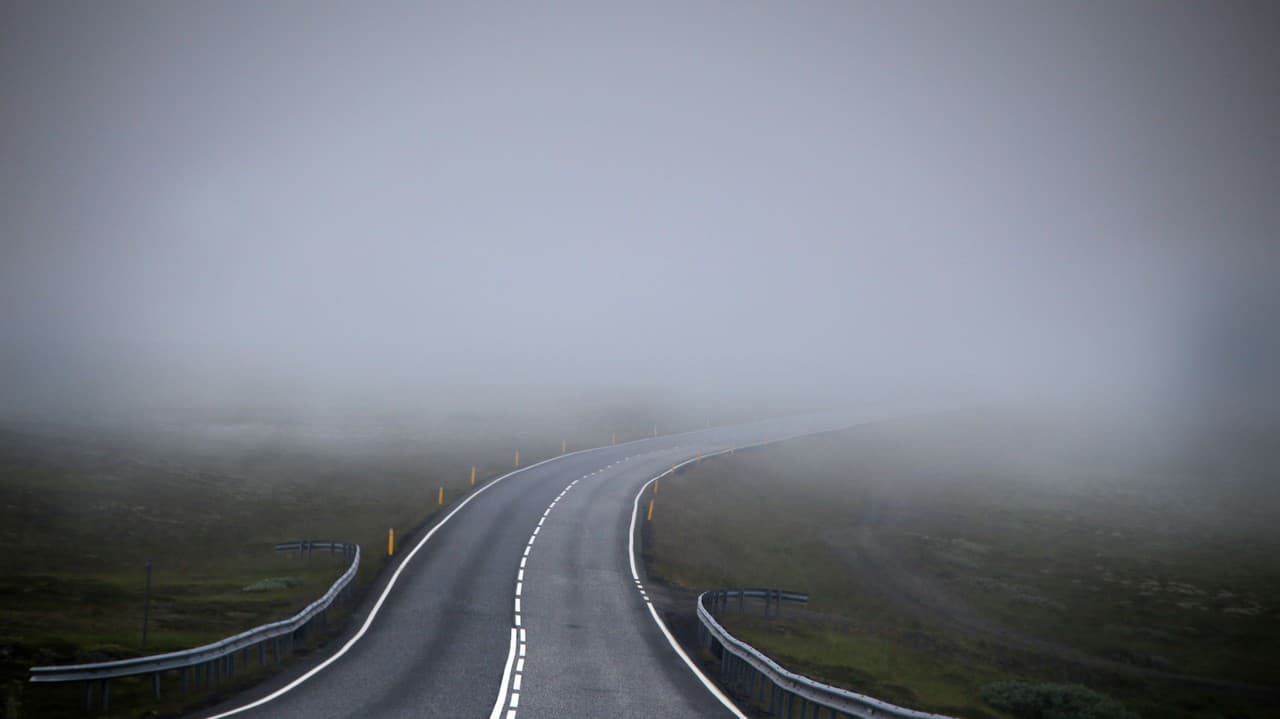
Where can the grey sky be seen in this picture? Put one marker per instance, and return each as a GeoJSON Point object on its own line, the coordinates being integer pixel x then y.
{"type": "Point", "coordinates": [375, 201]}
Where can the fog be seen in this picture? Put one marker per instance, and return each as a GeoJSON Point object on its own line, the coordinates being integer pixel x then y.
{"type": "Point", "coordinates": [400, 206]}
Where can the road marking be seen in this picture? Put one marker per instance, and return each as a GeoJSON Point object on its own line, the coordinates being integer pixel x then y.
{"type": "Point", "coordinates": [395, 576]}
{"type": "Point", "coordinates": [506, 676]}
{"type": "Point", "coordinates": [631, 557]}
{"type": "Point", "coordinates": [386, 591]}
{"type": "Point", "coordinates": [509, 692]}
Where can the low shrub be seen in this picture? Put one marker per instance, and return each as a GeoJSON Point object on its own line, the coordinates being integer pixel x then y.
{"type": "Point", "coordinates": [1053, 701]}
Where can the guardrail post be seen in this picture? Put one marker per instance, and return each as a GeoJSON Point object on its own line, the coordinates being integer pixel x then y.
{"type": "Point", "coordinates": [155, 684]}
{"type": "Point", "coordinates": [106, 694]}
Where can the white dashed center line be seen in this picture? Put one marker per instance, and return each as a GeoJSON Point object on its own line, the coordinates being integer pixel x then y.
{"type": "Point", "coordinates": [512, 694]}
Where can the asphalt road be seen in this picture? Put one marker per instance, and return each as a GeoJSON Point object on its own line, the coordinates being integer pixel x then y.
{"type": "Point", "coordinates": [451, 639]}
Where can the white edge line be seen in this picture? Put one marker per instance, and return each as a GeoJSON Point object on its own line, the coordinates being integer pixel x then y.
{"type": "Point", "coordinates": [631, 557]}
{"type": "Point", "coordinates": [715, 690]}
{"type": "Point", "coordinates": [506, 677]}
{"type": "Point", "coordinates": [373, 613]}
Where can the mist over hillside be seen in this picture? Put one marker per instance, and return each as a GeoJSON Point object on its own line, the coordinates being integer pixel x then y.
{"type": "Point", "coordinates": [333, 212]}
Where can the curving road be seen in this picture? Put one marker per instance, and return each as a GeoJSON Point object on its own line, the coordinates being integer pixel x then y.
{"type": "Point", "coordinates": [522, 602]}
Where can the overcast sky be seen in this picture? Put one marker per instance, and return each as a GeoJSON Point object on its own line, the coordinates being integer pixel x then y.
{"type": "Point", "coordinates": [388, 202]}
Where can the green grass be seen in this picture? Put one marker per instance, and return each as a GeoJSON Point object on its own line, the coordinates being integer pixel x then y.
{"type": "Point", "coordinates": [929, 674]}
{"type": "Point", "coordinates": [1015, 554]}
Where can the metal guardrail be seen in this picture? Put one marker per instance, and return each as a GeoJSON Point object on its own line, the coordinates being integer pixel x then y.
{"type": "Point", "coordinates": [750, 674]}
{"type": "Point", "coordinates": [216, 661]}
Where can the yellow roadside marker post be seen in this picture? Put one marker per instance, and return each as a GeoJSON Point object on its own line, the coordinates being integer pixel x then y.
{"type": "Point", "coordinates": [440, 497]}
{"type": "Point", "coordinates": [655, 486]}
{"type": "Point", "coordinates": [564, 445]}
{"type": "Point", "coordinates": [699, 456]}
{"type": "Point", "coordinates": [473, 475]}
{"type": "Point", "coordinates": [650, 517]}
{"type": "Point", "coordinates": [391, 542]}
{"type": "Point", "coordinates": [517, 458]}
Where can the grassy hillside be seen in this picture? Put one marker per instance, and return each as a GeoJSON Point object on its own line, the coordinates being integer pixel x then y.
{"type": "Point", "coordinates": [949, 553]}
